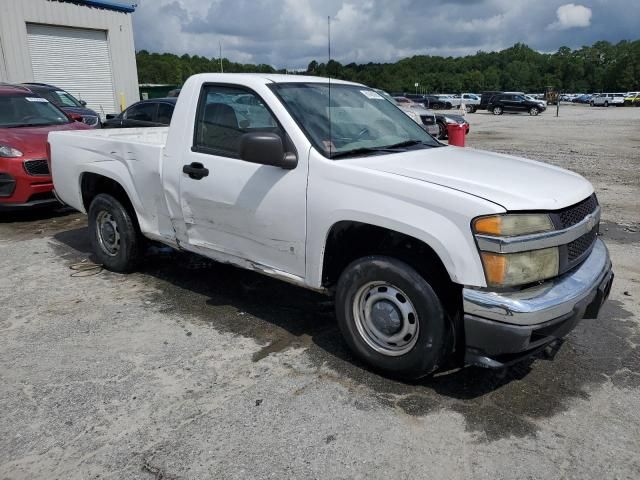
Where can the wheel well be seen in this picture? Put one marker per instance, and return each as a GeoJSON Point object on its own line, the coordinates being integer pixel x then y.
{"type": "Point", "coordinates": [348, 241]}
{"type": "Point", "coordinates": [93, 184]}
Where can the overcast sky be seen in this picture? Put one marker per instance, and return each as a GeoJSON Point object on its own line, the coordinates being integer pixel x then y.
{"type": "Point", "coordinates": [290, 33]}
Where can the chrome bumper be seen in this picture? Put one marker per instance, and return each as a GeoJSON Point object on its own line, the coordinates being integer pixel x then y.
{"type": "Point", "coordinates": [548, 301]}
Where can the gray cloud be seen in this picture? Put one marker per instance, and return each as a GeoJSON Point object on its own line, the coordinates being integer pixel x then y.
{"type": "Point", "coordinates": [290, 33]}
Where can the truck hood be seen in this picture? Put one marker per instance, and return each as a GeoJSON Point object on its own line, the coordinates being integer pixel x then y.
{"type": "Point", "coordinates": [512, 182]}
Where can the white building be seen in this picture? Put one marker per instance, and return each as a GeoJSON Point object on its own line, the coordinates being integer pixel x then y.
{"type": "Point", "coordinates": [84, 47]}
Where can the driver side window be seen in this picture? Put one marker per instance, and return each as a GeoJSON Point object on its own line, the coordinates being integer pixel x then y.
{"type": "Point", "coordinates": [225, 114]}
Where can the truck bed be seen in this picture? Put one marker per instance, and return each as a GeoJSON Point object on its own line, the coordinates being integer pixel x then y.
{"type": "Point", "coordinates": [143, 136]}
{"type": "Point", "coordinates": [132, 157]}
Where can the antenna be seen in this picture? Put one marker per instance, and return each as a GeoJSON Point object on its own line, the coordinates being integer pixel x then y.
{"type": "Point", "coordinates": [221, 69]}
{"type": "Point", "coordinates": [329, 74]}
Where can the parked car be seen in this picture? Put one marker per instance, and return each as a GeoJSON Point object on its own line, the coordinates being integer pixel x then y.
{"type": "Point", "coordinates": [66, 102]}
{"type": "Point", "coordinates": [509, 102]}
{"type": "Point", "coordinates": [471, 102]}
{"type": "Point", "coordinates": [423, 117]}
{"type": "Point", "coordinates": [443, 120]}
{"type": "Point", "coordinates": [540, 102]}
{"type": "Point", "coordinates": [485, 98]}
{"type": "Point", "coordinates": [426, 247]}
{"type": "Point", "coordinates": [155, 112]}
{"type": "Point", "coordinates": [606, 99]}
{"type": "Point", "coordinates": [585, 98]}
{"type": "Point", "coordinates": [26, 119]}
{"type": "Point", "coordinates": [430, 101]}
{"type": "Point", "coordinates": [632, 98]}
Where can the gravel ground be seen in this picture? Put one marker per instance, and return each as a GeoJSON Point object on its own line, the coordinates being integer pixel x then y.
{"type": "Point", "coordinates": [191, 369]}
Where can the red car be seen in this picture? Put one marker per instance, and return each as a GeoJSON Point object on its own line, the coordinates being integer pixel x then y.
{"type": "Point", "coordinates": [25, 121]}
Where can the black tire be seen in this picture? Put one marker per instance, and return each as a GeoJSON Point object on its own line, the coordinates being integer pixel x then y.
{"type": "Point", "coordinates": [443, 133]}
{"type": "Point", "coordinates": [606, 104]}
{"type": "Point", "coordinates": [429, 348]}
{"type": "Point", "coordinates": [592, 104]}
{"type": "Point", "coordinates": [533, 111]}
{"type": "Point", "coordinates": [497, 110]}
{"type": "Point", "coordinates": [121, 252]}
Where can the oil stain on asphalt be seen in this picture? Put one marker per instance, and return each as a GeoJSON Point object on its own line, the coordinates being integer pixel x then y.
{"type": "Point", "coordinates": [494, 404]}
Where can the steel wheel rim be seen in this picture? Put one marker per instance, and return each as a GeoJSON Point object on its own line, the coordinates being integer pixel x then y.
{"type": "Point", "coordinates": [385, 318]}
{"type": "Point", "coordinates": [497, 111]}
{"type": "Point", "coordinates": [107, 233]}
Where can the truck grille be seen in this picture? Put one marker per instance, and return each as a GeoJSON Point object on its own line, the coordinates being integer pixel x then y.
{"type": "Point", "coordinates": [37, 167]}
{"type": "Point", "coordinates": [573, 253]}
{"type": "Point", "coordinates": [575, 214]}
{"type": "Point", "coordinates": [581, 245]}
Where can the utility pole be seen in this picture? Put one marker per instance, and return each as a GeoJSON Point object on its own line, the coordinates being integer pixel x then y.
{"type": "Point", "coordinates": [221, 69]}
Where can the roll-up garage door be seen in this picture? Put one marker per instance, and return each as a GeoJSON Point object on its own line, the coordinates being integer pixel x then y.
{"type": "Point", "coordinates": [76, 60]}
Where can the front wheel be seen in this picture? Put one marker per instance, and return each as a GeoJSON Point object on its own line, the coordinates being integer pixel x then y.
{"type": "Point", "coordinates": [592, 104]}
{"type": "Point", "coordinates": [606, 104]}
{"type": "Point", "coordinates": [113, 234]}
{"type": "Point", "coordinates": [533, 111]}
{"type": "Point", "coordinates": [442, 131]}
{"type": "Point", "coordinates": [391, 317]}
{"type": "Point", "coordinates": [497, 110]}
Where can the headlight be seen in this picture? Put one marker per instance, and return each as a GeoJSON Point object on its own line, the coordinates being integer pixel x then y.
{"type": "Point", "coordinates": [506, 270]}
{"type": "Point", "coordinates": [511, 269]}
{"type": "Point", "coordinates": [513, 224]}
{"type": "Point", "coordinates": [9, 152]}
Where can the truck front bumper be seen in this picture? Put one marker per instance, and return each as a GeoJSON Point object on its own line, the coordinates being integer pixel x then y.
{"type": "Point", "coordinates": [503, 328]}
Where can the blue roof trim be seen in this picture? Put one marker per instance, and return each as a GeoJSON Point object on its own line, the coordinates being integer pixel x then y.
{"type": "Point", "coordinates": [119, 7]}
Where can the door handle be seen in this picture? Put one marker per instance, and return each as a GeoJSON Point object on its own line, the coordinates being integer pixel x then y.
{"type": "Point", "coordinates": [196, 171]}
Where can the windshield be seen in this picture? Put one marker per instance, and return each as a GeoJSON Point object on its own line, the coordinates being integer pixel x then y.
{"type": "Point", "coordinates": [61, 98]}
{"type": "Point", "coordinates": [28, 111]}
{"type": "Point", "coordinates": [362, 121]}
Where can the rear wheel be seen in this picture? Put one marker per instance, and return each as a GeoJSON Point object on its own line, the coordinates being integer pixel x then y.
{"type": "Point", "coordinates": [391, 317]}
{"type": "Point", "coordinates": [442, 131]}
{"type": "Point", "coordinates": [606, 104]}
{"type": "Point", "coordinates": [114, 235]}
{"type": "Point", "coordinates": [497, 110]}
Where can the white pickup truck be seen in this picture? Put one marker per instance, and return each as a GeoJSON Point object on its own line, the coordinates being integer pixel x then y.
{"type": "Point", "coordinates": [437, 255]}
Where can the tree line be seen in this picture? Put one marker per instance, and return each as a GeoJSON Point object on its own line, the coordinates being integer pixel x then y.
{"type": "Point", "coordinates": [600, 67]}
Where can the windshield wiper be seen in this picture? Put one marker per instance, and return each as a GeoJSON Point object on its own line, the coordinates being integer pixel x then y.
{"type": "Point", "coordinates": [407, 143]}
{"type": "Point", "coordinates": [360, 151]}
{"type": "Point", "coordinates": [385, 148]}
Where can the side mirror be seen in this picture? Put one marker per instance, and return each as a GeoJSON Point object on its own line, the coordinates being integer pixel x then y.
{"type": "Point", "coordinates": [111, 116]}
{"type": "Point", "coordinates": [83, 103]}
{"type": "Point", "coordinates": [266, 149]}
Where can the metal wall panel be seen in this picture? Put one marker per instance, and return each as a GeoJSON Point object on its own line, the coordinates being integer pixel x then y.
{"type": "Point", "coordinates": [16, 14]}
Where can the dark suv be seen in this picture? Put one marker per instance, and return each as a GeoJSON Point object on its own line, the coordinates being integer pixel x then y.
{"type": "Point", "coordinates": [511, 102]}
{"type": "Point", "coordinates": [66, 102]}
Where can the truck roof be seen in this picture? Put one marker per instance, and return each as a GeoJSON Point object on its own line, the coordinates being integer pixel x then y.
{"type": "Point", "coordinates": [268, 78]}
